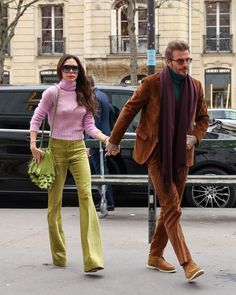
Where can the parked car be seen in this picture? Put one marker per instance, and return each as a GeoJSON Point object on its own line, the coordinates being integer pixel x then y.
{"type": "Point", "coordinates": [17, 104]}
{"type": "Point", "coordinates": [225, 116]}
{"type": "Point", "coordinates": [218, 126]}
{"type": "Point", "coordinates": [213, 161]}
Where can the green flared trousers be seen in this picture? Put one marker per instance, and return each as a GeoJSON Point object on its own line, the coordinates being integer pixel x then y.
{"type": "Point", "coordinates": [72, 155]}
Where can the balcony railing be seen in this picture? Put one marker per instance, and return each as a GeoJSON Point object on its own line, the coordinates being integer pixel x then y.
{"type": "Point", "coordinates": [51, 47]}
{"type": "Point", "coordinates": [217, 44]}
{"type": "Point", "coordinates": [121, 44]}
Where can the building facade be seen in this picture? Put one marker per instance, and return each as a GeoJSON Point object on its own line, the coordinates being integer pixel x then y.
{"type": "Point", "coordinates": [97, 32]}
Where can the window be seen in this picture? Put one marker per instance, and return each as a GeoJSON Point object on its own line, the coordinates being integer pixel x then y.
{"type": "Point", "coordinates": [126, 80]}
{"type": "Point", "coordinates": [140, 20]}
{"type": "Point", "coordinates": [123, 21]}
{"type": "Point", "coordinates": [118, 96]}
{"type": "Point", "coordinates": [119, 30]}
{"type": "Point", "coordinates": [218, 26]}
{"type": "Point", "coordinates": [17, 106]}
{"type": "Point", "coordinates": [118, 100]}
{"type": "Point", "coordinates": [48, 77]}
{"type": "Point", "coordinates": [6, 77]}
{"type": "Point", "coordinates": [218, 87]}
{"type": "Point", "coordinates": [142, 28]}
{"type": "Point", "coordinates": [52, 29]}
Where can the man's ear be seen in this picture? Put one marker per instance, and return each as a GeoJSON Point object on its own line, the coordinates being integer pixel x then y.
{"type": "Point", "coordinates": [167, 62]}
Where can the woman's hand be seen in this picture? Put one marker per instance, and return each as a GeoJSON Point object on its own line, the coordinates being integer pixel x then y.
{"type": "Point", "coordinates": [112, 149]}
{"type": "Point", "coordinates": [37, 153]}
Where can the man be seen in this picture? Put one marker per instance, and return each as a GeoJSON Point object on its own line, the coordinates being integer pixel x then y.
{"type": "Point", "coordinates": [173, 120]}
{"type": "Point", "coordinates": [102, 122]}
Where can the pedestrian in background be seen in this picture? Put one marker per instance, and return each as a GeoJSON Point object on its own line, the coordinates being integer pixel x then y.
{"type": "Point", "coordinates": [102, 122]}
{"type": "Point", "coordinates": [74, 116]}
{"type": "Point", "coordinates": [173, 120]}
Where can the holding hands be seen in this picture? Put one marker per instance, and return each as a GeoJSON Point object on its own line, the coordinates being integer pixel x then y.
{"type": "Point", "coordinates": [111, 149]}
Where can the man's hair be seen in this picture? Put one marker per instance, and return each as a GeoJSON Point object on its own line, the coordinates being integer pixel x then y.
{"type": "Point", "coordinates": [91, 81]}
{"type": "Point", "coordinates": [175, 45]}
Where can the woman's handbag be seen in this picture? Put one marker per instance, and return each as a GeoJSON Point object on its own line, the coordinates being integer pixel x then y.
{"type": "Point", "coordinates": [43, 174]}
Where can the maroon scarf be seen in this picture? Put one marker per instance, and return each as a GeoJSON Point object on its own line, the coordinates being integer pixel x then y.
{"type": "Point", "coordinates": [175, 118]}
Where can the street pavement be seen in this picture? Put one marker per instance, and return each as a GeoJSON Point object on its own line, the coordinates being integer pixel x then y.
{"type": "Point", "coordinates": [25, 261]}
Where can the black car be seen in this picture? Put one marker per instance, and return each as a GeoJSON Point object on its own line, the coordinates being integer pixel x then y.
{"type": "Point", "coordinates": [17, 104]}
{"type": "Point", "coordinates": [213, 161]}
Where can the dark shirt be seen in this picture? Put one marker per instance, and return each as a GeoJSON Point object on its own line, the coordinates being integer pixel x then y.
{"type": "Point", "coordinates": [102, 120]}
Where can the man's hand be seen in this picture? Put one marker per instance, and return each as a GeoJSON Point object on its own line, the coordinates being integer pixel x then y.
{"type": "Point", "coordinates": [112, 149]}
{"type": "Point", "coordinates": [191, 141]}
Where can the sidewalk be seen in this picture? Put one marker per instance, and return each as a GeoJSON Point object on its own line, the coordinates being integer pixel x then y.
{"type": "Point", "coordinates": [25, 256]}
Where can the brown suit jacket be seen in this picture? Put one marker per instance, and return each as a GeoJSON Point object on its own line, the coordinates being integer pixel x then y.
{"type": "Point", "coordinates": [147, 99]}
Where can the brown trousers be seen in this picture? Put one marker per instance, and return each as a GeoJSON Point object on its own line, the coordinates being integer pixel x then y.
{"type": "Point", "coordinates": [168, 224]}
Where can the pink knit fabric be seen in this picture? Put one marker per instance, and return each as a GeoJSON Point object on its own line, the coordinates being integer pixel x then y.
{"type": "Point", "coordinates": [71, 120]}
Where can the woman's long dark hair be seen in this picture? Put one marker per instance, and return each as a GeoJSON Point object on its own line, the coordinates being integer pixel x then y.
{"type": "Point", "coordinates": [85, 96]}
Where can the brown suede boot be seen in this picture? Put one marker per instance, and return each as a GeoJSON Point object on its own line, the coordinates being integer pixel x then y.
{"type": "Point", "coordinates": [192, 270]}
{"type": "Point", "coordinates": [160, 264]}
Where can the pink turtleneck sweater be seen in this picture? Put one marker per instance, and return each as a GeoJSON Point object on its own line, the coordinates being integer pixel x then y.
{"type": "Point", "coordinates": [71, 120]}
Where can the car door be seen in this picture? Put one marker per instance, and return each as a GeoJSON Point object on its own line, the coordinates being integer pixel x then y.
{"type": "Point", "coordinates": [16, 108]}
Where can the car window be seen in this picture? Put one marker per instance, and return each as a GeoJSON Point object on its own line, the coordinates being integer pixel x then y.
{"type": "Point", "coordinates": [223, 114]}
{"type": "Point", "coordinates": [17, 107]}
{"type": "Point", "coordinates": [231, 115]}
{"type": "Point", "coordinates": [218, 114]}
{"type": "Point", "coordinates": [19, 102]}
{"type": "Point", "coordinates": [119, 100]}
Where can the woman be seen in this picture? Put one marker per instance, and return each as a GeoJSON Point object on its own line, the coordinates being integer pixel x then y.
{"type": "Point", "coordinates": [74, 116]}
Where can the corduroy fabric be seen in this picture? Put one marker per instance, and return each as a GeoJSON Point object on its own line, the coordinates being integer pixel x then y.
{"type": "Point", "coordinates": [168, 225]}
{"type": "Point", "coordinates": [72, 155]}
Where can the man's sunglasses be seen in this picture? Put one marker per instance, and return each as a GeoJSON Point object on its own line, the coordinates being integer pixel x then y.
{"type": "Point", "coordinates": [69, 68]}
{"type": "Point", "coordinates": [181, 61]}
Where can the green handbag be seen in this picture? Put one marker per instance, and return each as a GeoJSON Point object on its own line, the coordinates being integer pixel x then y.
{"type": "Point", "coordinates": [43, 174]}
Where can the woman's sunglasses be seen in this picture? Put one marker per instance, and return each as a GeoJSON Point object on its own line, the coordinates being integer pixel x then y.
{"type": "Point", "coordinates": [69, 68]}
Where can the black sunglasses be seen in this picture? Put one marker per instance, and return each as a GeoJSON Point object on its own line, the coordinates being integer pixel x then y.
{"type": "Point", "coordinates": [68, 68]}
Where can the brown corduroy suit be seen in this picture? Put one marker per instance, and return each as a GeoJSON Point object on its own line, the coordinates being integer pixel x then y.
{"type": "Point", "coordinates": [147, 99]}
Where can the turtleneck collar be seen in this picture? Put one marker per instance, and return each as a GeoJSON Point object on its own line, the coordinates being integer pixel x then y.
{"type": "Point", "coordinates": [177, 81]}
{"type": "Point", "coordinates": [68, 86]}
{"type": "Point", "coordinates": [176, 77]}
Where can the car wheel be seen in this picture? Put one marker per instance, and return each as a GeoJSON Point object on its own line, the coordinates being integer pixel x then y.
{"type": "Point", "coordinates": [211, 196]}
